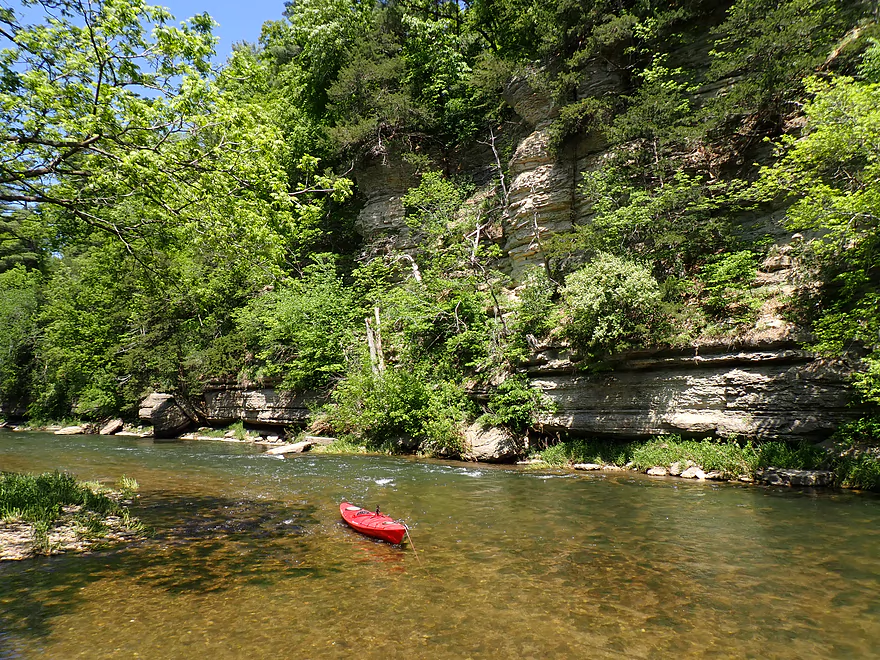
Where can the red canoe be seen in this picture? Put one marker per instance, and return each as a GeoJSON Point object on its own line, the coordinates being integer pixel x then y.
{"type": "Point", "coordinates": [371, 523]}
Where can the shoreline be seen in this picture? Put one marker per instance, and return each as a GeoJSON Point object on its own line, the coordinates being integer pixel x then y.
{"type": "Point", "coordinates": [784, 474]}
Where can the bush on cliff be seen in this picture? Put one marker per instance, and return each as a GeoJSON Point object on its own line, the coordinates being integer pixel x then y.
{"type": "Point", "coordinates": [611, 304]}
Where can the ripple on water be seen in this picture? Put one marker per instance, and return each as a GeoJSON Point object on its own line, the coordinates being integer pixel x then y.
{"type": "Point", "coordinates": [250, 559]}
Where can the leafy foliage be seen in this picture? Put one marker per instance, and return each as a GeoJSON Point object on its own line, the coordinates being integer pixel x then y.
{"type": "Point", "coordinates": [611, 304]}
{"type": "Point", "coordinates": [726, 281]}
{"type": "Point", "coordinates": [831, 175]}
{"type": "Point", "coordinates": [515, 404]}
{"type": "Point", "coordinates": [299, 331]}
{"type": "Point", "coordinates": [399, 409]}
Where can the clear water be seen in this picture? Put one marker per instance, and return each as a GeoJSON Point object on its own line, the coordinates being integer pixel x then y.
{"type": "Point", "coordinates": [250, 560]}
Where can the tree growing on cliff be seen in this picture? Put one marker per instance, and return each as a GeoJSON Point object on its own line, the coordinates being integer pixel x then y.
{"type": "Point", "coordinates": [832, 177]}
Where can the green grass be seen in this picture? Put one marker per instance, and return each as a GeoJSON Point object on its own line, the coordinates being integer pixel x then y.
{"type": "Point", "coordinates": [342, 446]}
{"type": "Point", "coordinates": [860, 471]}
{"type": "Point", "coordinates": [731, 457]}
{"type": "Point", "coordinates": [40, 499]}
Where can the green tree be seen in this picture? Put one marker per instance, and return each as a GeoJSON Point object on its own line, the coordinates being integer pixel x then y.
{"type": "Point", "coordinates": [109, 114]}
{"type": "Point", "coordinates": [19, 331]}
{"type": "Point", "coordinates": [301, 330]}
{"type": "Point", "coordinates": [832, 177]}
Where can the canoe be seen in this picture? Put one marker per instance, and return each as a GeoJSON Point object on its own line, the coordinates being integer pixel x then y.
{"type": "Point", "coordinates": [377, 525]}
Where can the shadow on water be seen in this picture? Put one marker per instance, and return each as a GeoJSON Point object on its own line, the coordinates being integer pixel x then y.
{"type": "Point", "coordinates": [199, 545]}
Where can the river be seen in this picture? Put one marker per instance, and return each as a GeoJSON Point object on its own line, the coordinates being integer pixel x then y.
{"type": "Point", "coordinates": [250, 560]}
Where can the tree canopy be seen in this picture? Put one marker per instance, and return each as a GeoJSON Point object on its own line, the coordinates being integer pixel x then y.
{"type": "Point", "coordinates": [165, 220]}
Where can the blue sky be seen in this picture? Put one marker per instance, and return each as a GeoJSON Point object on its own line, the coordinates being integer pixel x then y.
{"type": "Point", "coordinates": [240, 20]}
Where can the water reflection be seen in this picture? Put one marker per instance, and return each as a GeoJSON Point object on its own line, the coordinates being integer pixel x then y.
{"type": "Point", "coordinates": [250, 559]}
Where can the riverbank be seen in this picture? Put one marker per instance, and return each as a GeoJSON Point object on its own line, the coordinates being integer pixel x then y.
{"type": "Point", "coordinates": [850, 459]}
{"type": "Point", "coordinates": [53, 513]}
{"type": "Point", "coordinates": [845, 461]}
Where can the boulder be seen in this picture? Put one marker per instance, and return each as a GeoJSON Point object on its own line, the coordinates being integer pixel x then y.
{"type": "Point", "coordinates": [112, 427]}
{"type": "Point", "coordinates": [295, 448]}
{"type": "Point", "coordinates": [168, 418]}
{"type": "Point", "coordinates": [587, 466]}
{"type": "Point", "coordinates": [781, 477]}
{"type": "Point", "coordinates": [319, 439]}
{"type": "Point", "coordinates": [657, 471]}
{"type": "Point", "coordinates": [493, 445]}
{"type": "Point", "coordinates": [693, 473]}
{"type": "Point", "coordinates": [71, 430]}
{"type": "Point", "coordinates": [676, 469]}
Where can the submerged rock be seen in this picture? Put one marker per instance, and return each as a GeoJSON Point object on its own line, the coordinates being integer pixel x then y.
{"type": "Point", "coordinates": [295, 448]}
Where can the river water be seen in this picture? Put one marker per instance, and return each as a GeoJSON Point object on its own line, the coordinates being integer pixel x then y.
{"type": "Point", "coordinates": [250, 560]}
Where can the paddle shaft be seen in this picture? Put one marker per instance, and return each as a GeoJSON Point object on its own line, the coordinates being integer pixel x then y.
{"type": "Point", "coordinates": [411, 544]}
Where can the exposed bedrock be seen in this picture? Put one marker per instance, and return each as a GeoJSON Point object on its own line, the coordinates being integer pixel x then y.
{"type": "Point", "coordinates": [383, 183]}
{"type": "Point", "coordinates": [168, 417]}
{"type": "Point", "coordinates": [762, 391]}
{"type": "Point", "coordinates": [264, 406]}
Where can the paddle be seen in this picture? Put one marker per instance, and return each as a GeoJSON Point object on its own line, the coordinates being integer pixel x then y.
{"type": "Point", "coordinates": [412, 545]}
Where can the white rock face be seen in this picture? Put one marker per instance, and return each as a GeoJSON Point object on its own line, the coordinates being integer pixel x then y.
{"type": "Point", "coordinates": [383, 183]}
{"type": "Point", "coordinates": [758, 391]}
{"type": "Point", "coordinates": [541, 196]}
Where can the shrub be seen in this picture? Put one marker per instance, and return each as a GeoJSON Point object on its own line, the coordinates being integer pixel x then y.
{"type": "Point", "coordinates": [535, 312]}
{"type": "Point", "coordinates": [515, 404]}
{"type": "Point", "coordinates": [726, 282]}
{"type": "Point", "coordinates": [611, 304]}
{"type": "Point", "coordinates": [298, 331]}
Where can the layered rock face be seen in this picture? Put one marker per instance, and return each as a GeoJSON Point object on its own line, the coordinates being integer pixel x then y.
{"type": "Point", "coordinates": [382, 183]}
{"type": "Point", "coordinates": [543, 197]}
{"type": "Point", "coordinates": [264, 406]}
{"type": "Point", "coordinates": [766, 391]}
{"type": "Point", "coordinates": [168, 417]}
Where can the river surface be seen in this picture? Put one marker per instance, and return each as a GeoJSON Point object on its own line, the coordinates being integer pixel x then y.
{"type": "Point", "coordinates": [250, 560]}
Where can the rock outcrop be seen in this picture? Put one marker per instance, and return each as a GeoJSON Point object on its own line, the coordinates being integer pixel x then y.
{"type": "Point", "coordinates": [764, 391]}
{"type": "Point", "coordinates": [382, 183]}
{"type": "Point", "coordinates": [492, 445]}
{"type": "Point", "coordinates": [71, 430]}
{"type": "Point", "coordinates": [264, 406]}
{"type": "Point", "coordinates": [112, 427]}
{"type": "Point", "coordinates": [168, 418]}
{"type": "Point", "coordinates": [780, 477]}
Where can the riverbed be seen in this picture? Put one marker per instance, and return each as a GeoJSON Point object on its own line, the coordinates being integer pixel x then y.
{"type": "Point", "coordinates": [250, 559]}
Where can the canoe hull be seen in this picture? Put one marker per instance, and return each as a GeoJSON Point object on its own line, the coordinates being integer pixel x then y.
{"type": "Point", "coordinates": [370, 523]}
